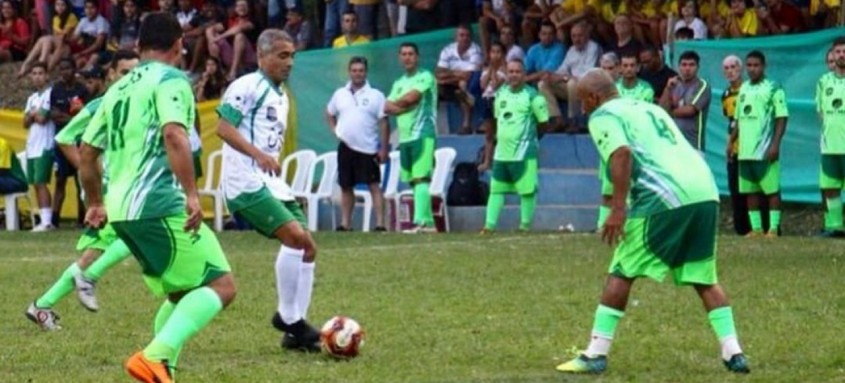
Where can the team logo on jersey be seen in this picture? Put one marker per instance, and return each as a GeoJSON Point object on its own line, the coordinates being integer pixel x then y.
{"type": "Point", "coordinates": [365, 102]}
{"type": "Point", "coordinates": [837, 103]}
{"type": "Point", "coordinates": [742, 98]}
{"type": "Point", "coordinates": [507, 115]}
{"type": "Point", "coordinates": [503, 104]}
{"type": "Point", "coordinates": [828, 91]}
{"type": "Point", "coordinates": [271, 114]}
{"type": "Point", "coordinates": [747, 109]}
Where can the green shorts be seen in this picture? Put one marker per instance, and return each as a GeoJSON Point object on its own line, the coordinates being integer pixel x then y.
{"type": "Point", "coordinates": [99, 239]}
{"type": "Point", "coordinates": [604, 178]}
{"type": "Point", "coordinates": [416, 158]}
{"type": "Point", "coordinates": [267, 214]}
{"type": "Point", "coordinates": [171, 259]}
{"type": "Point", "coordinates": [681, 240]}
{"type": "Point", "coordinates": [514, 177]}
{"type": "Point", "coordinates": [40, 169]}
{"type": "Point", "coordinates": [832, 172]}
{"type": "Point", "coordinates": [759, 177]}
{"type": "Point", "coordinates": [197, 164]}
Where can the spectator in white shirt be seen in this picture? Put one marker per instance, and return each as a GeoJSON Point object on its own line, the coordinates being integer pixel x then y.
{"type": "Point", "coordinates": [355, 114]}
{"type": "Point", "coordinates": [458, 61]}
{"type": "Point", "coordinates": [90, 36]}
{"type": "Point", "coordinates": [690, 20]}
{"type": "Point", "coordinates": [562, 84]}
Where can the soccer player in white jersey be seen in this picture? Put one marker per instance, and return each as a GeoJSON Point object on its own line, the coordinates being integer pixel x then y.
{"type": "Point", "coordinates": [253, 114]}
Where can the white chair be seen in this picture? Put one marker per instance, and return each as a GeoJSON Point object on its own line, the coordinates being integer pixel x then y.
{"type": "Point", "coordinates": [367, 198]}
{"type": "Point", "coordinates": [391, 189]}
{"type": "Point", "coordinates": [444, 158]}
{"type": "Point", "coordinates": [11, 201]}
{"type": "Point", "coordinates": [325, 189]}
{"type": "Point", "coordinates": [212, 186]}
{"type": "Point", "coordinates": [300, 185]}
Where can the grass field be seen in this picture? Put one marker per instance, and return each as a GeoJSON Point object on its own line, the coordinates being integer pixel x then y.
{"type": "Point", "coordinates": [444, 308]}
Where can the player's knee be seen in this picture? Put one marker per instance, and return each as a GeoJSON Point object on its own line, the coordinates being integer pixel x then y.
{"type": "Point", "coordinates": [225, 288]}
{"type": "Point", "coordinates": [293, 235]}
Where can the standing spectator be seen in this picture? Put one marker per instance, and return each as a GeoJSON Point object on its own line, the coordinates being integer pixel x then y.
{"type": "Point", "coordinates": [761, 115]}
{"type": "Point", "coordinates": [12, 177]}
{"type": "Point", "coordinates": [507, 37]}
{"type": "Point", "coordinates": [457, 64]}
{"type": "Point", "coordinates": [356, 116]}
{"type": "Point", "coordinates": [625, 43]}
{"type": "Point", "coordinates": [609, 62]}
{"type": "Point", "coordinates": [233, 43]}
{"type": "Point", "coordinates": [422, 15]}
{"type": "Point", "coordinates": [687, 99]}
{"type": "Point", "coordinates": [732, 69]}
{"type": "Point", "coordinates": [742, 21]}
{"type": "Point", "coordinates": [493, 76]}
{"type": "Point", "coordinates": [631, 86]}
{"type": "Point", "coordinates": [299, 28]}
{"type": "Point", "coordinates": [67, 97]}
{"type": "Point", "coordinates": [654, 71]}
{"type": "Point", "coordinates": [830, 93]}
{"type": "Point", "coordinates": [335, 9]}
{"type": "Point", "coordinates": [520, 112]}
{"type": "Point", "coordinates": [350, 32]}
{"type": "Point", "coordinates": [212, 82]}
{"type": "Point", "coordinates": [392, 9]}
{"type": "Point", "coordinates": [778, 17]}
{"type": "Point", "coordinates": [562, 84]}
{"type": "Point", "coordinates": [544, 57]}
{"type": "Point", "coordinates": [413, 100]}
{"type": "Point", "coordinates": [368, 15]}
{"type": "Point", "coordinates": [50, 47]}
{"type": "Point", "coordinates": [690, 20]}
{"type": "Point", "coordinates": [39, 143]}
{"type": "Point", "coordinates": [90, 36]}
{"type": "Point", "coordinates": [14, 33]}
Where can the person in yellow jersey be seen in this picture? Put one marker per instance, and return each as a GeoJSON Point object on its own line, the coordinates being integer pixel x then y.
{"type": "Point", "coordinates": [350, 35]}
{"type": "Point", "coordinates": [742, 21]}
{"type": "Point", "coordinates": [12, 177]}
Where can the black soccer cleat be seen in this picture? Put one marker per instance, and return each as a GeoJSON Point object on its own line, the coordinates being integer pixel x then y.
{"type": "Point", "coordinates": [298, 336]}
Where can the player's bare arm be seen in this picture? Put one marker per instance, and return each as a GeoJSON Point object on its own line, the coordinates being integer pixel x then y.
{"type": "Point", "coordinates": [404, 104]}
{"type": "Point", "coordinates": [230, 135]}
{"type": "Point", "coordinates": [774, 149]}
{"type": "Point", "coordinates": [91, 178]}
{"type": "Point", "coordinates": [620, 176]}
{"type": "Point", "coordinates": [178, 148]}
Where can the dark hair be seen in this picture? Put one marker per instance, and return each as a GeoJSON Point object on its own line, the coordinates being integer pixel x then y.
{"type": "Point", "coordinates": [38, 64]}
{"type": "Point", "coordinates": [549, 25]}
{"type": "Point", "coordinates": [690, 55]}
{"type": "Point", "coordinates": [497, 44]}
{"type": "Point", "coordinates": [95, 3]}
{"type": "Point", "coordinates": [465, 27]}
{"type": "Point", "coordinates": [69, 61]}
{"type": "Point", "coordinates": [359, 60]}
{"type": "Point", "coordinates": [410, 45]}
{"type": "Point", "coordinates": [159, 31]}
{"type": "Point", "coordinates": [630, 55]}
{"type": "Point", "coordinates": [650, 49]}
{"type": "Point", "coordinates": [121, 55]}
{"type": "Point", "coordinates": [64, 16]}
{"type": "Point", "coordinates": [757, 55]}
{"type": "Point", "coordinates": [14, 7]}
{"type": "Point", "coordinates": [838, 41]}
{"type": "Point", "coordinates": [350, 11]}
{"type": "Point", "coordinates": [517, 60]}
{"type": "Point", "coordinates": [685, 33]}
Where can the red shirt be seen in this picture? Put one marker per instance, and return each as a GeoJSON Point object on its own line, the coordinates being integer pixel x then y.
{"type": "Point", "coordinates": [20, 29]}
{"type": "Point", "coordinates": [788, 15]}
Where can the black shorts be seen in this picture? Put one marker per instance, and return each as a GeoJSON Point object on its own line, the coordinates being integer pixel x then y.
{"type": "Point", "coordinates": [63, 167]}
{"type": "Point", "coordinates": [355, 168]}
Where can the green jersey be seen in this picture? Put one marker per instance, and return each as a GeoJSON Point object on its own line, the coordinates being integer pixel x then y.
{"type": "Point", "coordinates": [757, 108]}
{"type": "Point", "coordinates": [666, 172]}
{"type": "Point", "coordinates": [72, 132]}
{"type": "Point", "coordinates": [421, 121]}
{"type": "Point", "coordinates": [830, 93]}
{"type": "Point", "coordinates": [640, 91]}
{"type": "Point", "coordinates": [128, 128]}
{"type": "Point", "coordinates": [517, 115]}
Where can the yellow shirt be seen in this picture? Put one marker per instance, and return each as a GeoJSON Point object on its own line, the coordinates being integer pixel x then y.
{"type": "Point", "coordinates": [70, 25]}
{"type": "Point", "coordinates": [814, 5]}
{"type": "Point", "coordinates": [608, 12]}
{"type": "Point", "coordinates": [364, 2]}
{"type": "Point", "coordinates": [748, 23]}
{"type": "Point", "coordinates": [651, 10]}
{"type": "Point", "coordinates": [704, 9]}
{"type": "Point", "coordinates": [6, 154]}
{"type": "Point", "coordinates": [578, 6]}
{"type": "Point", "coordinates": [342, 41]}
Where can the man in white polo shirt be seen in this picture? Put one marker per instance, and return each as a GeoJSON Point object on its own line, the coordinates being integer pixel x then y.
{"type": "Point", "coordinates": [356, 115]}
{"type": "Point", "coordinates": [455, 67]}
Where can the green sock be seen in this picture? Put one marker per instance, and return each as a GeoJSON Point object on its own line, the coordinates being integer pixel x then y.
{"type": "Point", "coordinates": [495, 203]}
{"type": "Point", "coordinates": [774, 221]}
{"type": "Point", "coordinates": [193, 312]}
{"type": "Point", "coordinates": [604, 326]}
{"type": "Point", "coordinates": [722, 321]}
{"type": "Point", "coordinates": [604, 211]}
{"type": "Point", "coordinates": [422, 205]}
{"type": "Point", "coordinates": [527, 205]}
{"type": "Point", "coordinates": [114, 254]}
{"type": "Point", "coordinates": [833, 217]}
{"type": "Point", "coordinates": [756, 220]}
{"type": "Point", "coordinates": [161, 318]}
{"type": "Point", "coordinates": [59, 290]}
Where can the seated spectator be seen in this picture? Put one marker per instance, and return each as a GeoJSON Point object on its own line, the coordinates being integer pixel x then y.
{"type": "Point", "coordinates": [368, 13]}
{"type": "Point", "coordinates": [125, 32]}
{"type": "Point", "coordinates": [609, 62]}
{"type": "Point", "coordinates": [607, 12]}
{"type": "Point", "coordinates": [631, 86]}
{"type": "Point", "coordinates": [715, 14]}
{"type": "Point", "coordinates": [690, 20]}
{"type": "Point", "coordinates": [534, 15]}
{"type": "Point", "coordinates": [350, 35]}
{"type": "Point", "coordinates": [14, 33]}
{"type": "Point", "coordinates": [212, 83]}
{"type": "Point", "coordinates": [89, 37]}
{"type": "Point", "coordinates": [742, 21]}
{"type": "Point", "coordinates": [195, 38]}
{"type": "Point", "coordinates": [422, 15]}
{"type": "Point", "coordinates": [625, 44]}
{"type": "Point", "coordinates": [571, 12]}
{"type": "Point", "coordinates": [654, 71]}
{"type": "Point", "coordinates": [457, 12]}
{"type": "Point", "coordinates": [495, 14]}
{"type": "Point", "coordinates": [778, 17]}
{"type": "Point", "coordinates": [50, 48]}
{"type": "Point", "coordinates": [232, 44]}
{"type": "Point", "coordinates": [563, 83]}
{"type": "Point", "coordinates": [824, 13]}
{"type": "Point", "coordinates": [507, 37]}
{"type": "Point", "coordinates": [186, 13]}
{"type": "Point", "coordinates": [458, 61]}
{"type": "Point", "coordinates": [12, 178]}
{"type": "Point", "coordinates": [168, 6]}
{"type": "Point", "coordinates": [493, 76]}
{"type": "Point", "coordinates": [544, 57]}
{"type": "Point", "coordinates": [684, 34]}
{"type": "Point", "coordinates": [299, 28]}
{"type": "Point", "coordinates": [649, 19]}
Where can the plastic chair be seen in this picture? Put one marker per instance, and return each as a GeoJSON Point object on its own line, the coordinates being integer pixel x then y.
{"type": "Point", "coordinates": [300, 183]}
{"type": "Point", "coordinates": [212, 187]}
{"type": "Point", "coordinates": [325, 189]}
{"type": "Point", "coordinates": [366, 197]}
{"type": "Point", "coordinates": [444, 158]}
{"type": "Point", "coordinates": [391, 189]}
{"type": "Point", "coordinates": [11, 201]}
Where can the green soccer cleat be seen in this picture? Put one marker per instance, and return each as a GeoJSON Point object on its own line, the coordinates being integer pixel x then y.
{"type": "Point", "coordinates": [737, 364]}
{"type": "Point", "coordinates": [585, 365]}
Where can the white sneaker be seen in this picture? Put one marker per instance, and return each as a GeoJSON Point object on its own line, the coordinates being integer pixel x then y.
{"type": "Point", "coordinates": [46, 318]}
{"type": "Point", "coordinates": [43, 227]}
{"type": "Point", "coordinates": [85, 292]}
{"type": "Point", "coordinates": [420, 229]}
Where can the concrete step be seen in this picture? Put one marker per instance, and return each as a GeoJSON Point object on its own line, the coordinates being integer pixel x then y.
{"type": "Point", "coordinates": [557, 151]}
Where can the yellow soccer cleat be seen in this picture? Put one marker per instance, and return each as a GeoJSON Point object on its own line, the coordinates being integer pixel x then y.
{"type": "Point", "coordinates": [584, 365]}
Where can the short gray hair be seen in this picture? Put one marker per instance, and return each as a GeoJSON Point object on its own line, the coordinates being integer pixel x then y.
{"type": "Point", "coordinates": [270, 36]}
{"type": "Point", "coordinates": [610, 57]}
{"type": "Point", "coordinates": [732, 59]}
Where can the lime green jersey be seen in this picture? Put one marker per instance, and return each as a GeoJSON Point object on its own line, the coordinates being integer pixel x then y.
{"type": "Point", "coordinates": [72, 132]}
{"type": "Point", "coordinates": [667, 172]}
{"type": "Point", "coordinates": [421, 120]}
{"type": "Point", "coordinates": [517, 115]}
{"type": "Point", "coordinates": [830, 94]}
{"type": "Point", "coordinates": [640, 91]}
{"type": "Point", "coordinates": [128, 127]}
{"type": "Point", "coordinates": [757, 108]}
